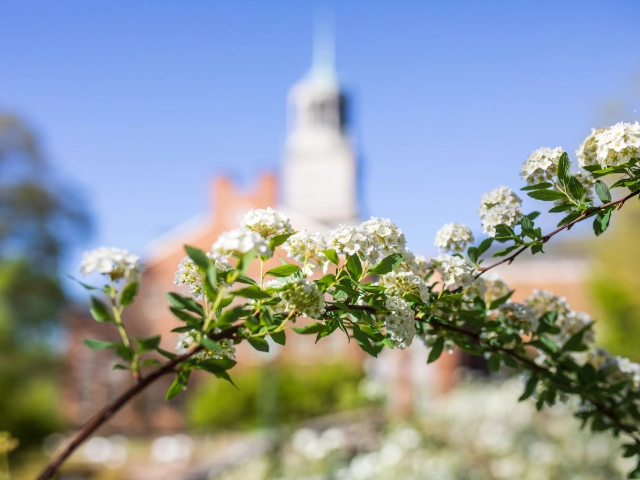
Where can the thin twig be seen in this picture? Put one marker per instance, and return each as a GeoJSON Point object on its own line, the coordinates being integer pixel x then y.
{"type": "Point", "coordinates": [587, 213]}
{"type": "Point", "coordinates": [112, 408]}
{"type": "Point", "coordinates": [632, 432]}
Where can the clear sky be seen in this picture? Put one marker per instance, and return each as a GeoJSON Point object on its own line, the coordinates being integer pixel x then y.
{"type": "Point", "coordinates": [142, 103]}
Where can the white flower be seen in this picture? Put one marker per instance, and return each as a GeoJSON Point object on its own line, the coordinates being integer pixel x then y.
{"type": "Point", "coordinates": [610, 146]}
{"type": "Point", "coordinates": [489, 287]}
{"type": "Point", "coordinates": [499, 207]}
{"type": "Point", "coordinates": [239, 242]}
{"type": "Point", "coordinates": [347, 239]}
{"type": "Point", "coordinates": [188, 339]}
{"type": "Point", "coordinates": [399, 322]}
{"type": "Point", "coordinates": [453, 237]}
{"type": "Point", "coordinates": [305, 297]}
{"type": "Point", "coordinates": [115, 262]}
{"type": "Point", "coordinates": [384, 238]}
{"type": "Point", "coordinates": [629, 369]}
{"type": "Point", "coordinates": [519, 316]}
{"type": "Point", "coordinates": [454, 270]}
{"type": "Point", "coordinates": [267, 223]}
{"type": "Point", "coordinates": [402, 283]}
{"type": "Point", "coordinates": [568, 321]}
{"type": "Point", "coordinates": [306, 249]}
{"type": "Point", "coordinates": [541, 165]}
{"type": "Point", "coordinates": [189, 274]}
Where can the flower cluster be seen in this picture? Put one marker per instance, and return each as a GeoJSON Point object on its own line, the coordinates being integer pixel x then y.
{"type": "Point", "coordinates": [568, 321]}
{"type": "Point", "coordinates": [267, 222]}
{"type": "Point", "coordinates": [489, 287]}
{"type": "Point", "coordinates": [374, 239]}
{"type": "Point", "coordinates": [541, 165]}
{"type": "Point", "coordinates": [520, 317]}
{"type": "Point", "coordinates": [304, 297]}
{"type": "Point", "coordinates": [454, 270]}
{"type": "Point", "coordinates": [454, 237]}
{"type": "Point", "coordinates": [189, 274]}
{"type": "Point", "coordinates": [499, 207]}
{"type": "Point", "coordinates": [188, 340]}
{"type": "Point", "coordinates": [610, 146]}
{"type": "Point", "coordinates": [306, 249]}
{"type": "Point", "coordinates": [416, 264]}
{"type": "Point", "coordinates": [114, 262]}
{"type": "Point", "coordinates": [403, 283]}
{"type": "Point", "coordinates": [239, 242]}
{"type": "Point", "coordinates": [400, 322]}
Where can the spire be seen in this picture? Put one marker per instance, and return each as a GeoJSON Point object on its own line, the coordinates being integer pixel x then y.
{"type": "Point", "coordinates": [323, 65]}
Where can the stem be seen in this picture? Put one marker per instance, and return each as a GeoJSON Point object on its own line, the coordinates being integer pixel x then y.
{"type": "Point", "coordinates": [261, 272]}
{"type": "Point", "coordinates": [587, 213]}
{"type": "Point", "coordinates": [112, 408]}
{"type": "Point", "coordinates": [629, 430]}
{"type": "Point", "coordinates": [215, 306]}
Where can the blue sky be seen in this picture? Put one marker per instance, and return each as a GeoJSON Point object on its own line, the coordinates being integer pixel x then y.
{"type": "Point", "coordinates": [141, 103]}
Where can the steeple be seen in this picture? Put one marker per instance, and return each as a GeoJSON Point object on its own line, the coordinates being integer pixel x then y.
{"type": "Point", "coordinates": [323, 62]}
{"type": "Point", "coordinates": [319, 169]}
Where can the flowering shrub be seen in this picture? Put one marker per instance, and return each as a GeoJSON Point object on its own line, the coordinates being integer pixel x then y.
{"type": "Point", "coordinates": [374, 290]}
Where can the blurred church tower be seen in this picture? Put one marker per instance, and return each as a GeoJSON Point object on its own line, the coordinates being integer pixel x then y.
{"type": "Point", "coordinates": [319, 171]}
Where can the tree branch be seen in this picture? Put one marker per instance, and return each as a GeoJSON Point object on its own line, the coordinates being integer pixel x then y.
{"type": "Point", "coordinates": [112, 408]}
{"type": "Point", "coordinates": [587, 213]}
{"type": "Point", "coordinates": [629, 430]}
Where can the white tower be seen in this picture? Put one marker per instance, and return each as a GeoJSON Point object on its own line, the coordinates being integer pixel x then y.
{"type": "Point", "coordinates": [320, 177]}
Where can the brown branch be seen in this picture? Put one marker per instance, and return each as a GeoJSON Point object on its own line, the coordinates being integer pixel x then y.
{"type": "Point", "coordinates": [587, 213]}
{"type": "Point", "coordinates": [629, 430]}
{"type": "Point", "coordinates": [112, 408]}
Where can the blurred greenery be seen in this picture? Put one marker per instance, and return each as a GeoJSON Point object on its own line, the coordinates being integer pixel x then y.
{"type": "Point", "coordinates": [615, 283]}
{"type": "Point", "coordinates": [39, 219]}
{"type": "Point", "coordinates": [295, 393]}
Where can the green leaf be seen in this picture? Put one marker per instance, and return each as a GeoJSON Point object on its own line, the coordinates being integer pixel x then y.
{"type": "Point", "coordinates": [601, 222]}
{"type": "Point", "coordinates": [283, 270]}
{"type": "Point", "coordinates": [259, 343]}
{"type": "Point", "coordinates": [210, 344]}
{"type": "Point", "coordinates": [354, 267]}
{"type": "Point", "coordinates": [246, 280]}
{"type": "Point", "coordinates": [575, 187]}
{"type": "Point", "coordinates": [473, 253]}
{"type": "Point", "coordinates": [129, 294]}
{"type": "Point", "coordinates": [506, 251]}
{"type": "Point", "coordinates": [436, 350]}
{"type": "Point", "coordinates": [199, 257]}
{"type": "Point", "coordinates": [564, 169]}
{"type": "Point", "coordinates": [100, 311]}
{"type": "Point", "coordinates": [494, 363]}
{"type": "Point", "coordinates": [569, 218]}
{"type": "Point", "coordinates": [245, 261]}
{"type": "Point", "coordinates": [279, 240]}
{"type": "Point", "coordinates": [500, 301]}
{"type": "Point", "coordinates": [230, 316]}
{"type": "Point", "coordinates": [561, 208]}
{"type": "Point", "coordinates": [387, 264]}
{"type": "Point", "coordinates": [526, 224]}
{"type": "Point", "coordinates": [147, 344]}
{"type": "Point", "coordinates": [251, 292]}
{"type": "Point", "coordinates": [176, 388]}
{"type": "Point", "coordinates": [537, 186]}
{"type": "Point", "coordinates": [547, 195]}
{"type": "Point", "coordinates": [119, 366]}
{"type": "Point", "coordinates": [485, 245]}
{"type": "Point", "coordinates": [279, 337]}
{"type": "Point", "coordinates": [310, 329]}
{"type": "Point", "coordinates": [363, 341]}
{"type": "Point", "coordinates": [164, 353]}
{"type": "Point", "coordinates": [184, 316]}
{"type": "Point", "coordinates": [87, 286]}
{"type": "Point", "coordinates": [184, 303]}
{"type": "Point", "coordinates": [332, 256]}
{"type": "Point", "coordinates": [98, 344]}
{"type": "Point", "coordinates": [529, 388]}
{"type": "Point", "coordinates": [603, 191]}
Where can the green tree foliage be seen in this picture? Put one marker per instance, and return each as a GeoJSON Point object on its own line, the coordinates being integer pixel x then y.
{"type": "Point", "coordinates": [298, 394]}
{"type": "Point", "coordinates": [39, 218]}
{"type": "Point", "coordinates": [615, 283]}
